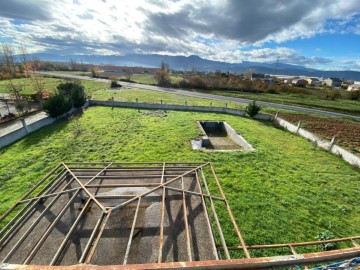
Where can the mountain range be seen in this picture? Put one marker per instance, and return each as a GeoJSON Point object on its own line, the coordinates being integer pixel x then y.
{"type": "Point", "coordinates": [200, 64]}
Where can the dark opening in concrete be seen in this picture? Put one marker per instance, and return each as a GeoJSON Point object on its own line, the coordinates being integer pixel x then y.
{"type": "Point", "coordinates": [220, 136]}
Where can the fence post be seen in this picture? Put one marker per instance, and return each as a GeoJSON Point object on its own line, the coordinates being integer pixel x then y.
{"type": "Point", "coordinates": [112, 102]}
{"type": "Point", "coordinates": [137, 104]}
{"type": "Point", "coordinates": [24, 125]}
{"type": "Point", "coordinates": [276, 115]}
{"type": "Point", "coordinates": [298, 127]}
{"type": "Point", "coordinates": [332, 142]}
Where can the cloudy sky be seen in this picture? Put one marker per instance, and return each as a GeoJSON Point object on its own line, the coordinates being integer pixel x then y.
{"type": "Point", "coordinates": [315, 33]}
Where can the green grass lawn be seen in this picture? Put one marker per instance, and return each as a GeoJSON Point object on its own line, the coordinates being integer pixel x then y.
{"type": "Point", "coordinates": [131, 94]}
{"type": "Point", "coordinates": [286, 191]}
{"type": "Point", "coordinates": [311, 101]}
{"type": "Point", "coordinates": [150, 79]}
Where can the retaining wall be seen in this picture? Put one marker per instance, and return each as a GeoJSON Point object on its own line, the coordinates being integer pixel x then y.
{"type": "Point", "coordinates": [324, 144]}
{"type": "Point", "coordinates": [12, 136]}
{"type": "Point", "coordinates": [240, 140]}
{"type": "Point", "coordinates": [23, 131]}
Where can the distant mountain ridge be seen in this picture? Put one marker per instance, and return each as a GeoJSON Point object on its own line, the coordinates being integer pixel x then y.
{"type": "Point", "coordinates": [198, 63]}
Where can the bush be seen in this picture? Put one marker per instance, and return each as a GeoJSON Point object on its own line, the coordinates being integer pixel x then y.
{"type": "Point", "coordinates": [115, 84]}
{"type": "Point", "coordinates": [57, 105]}
{"type": "Point", "coordinates": [20, 105]}
{"type": "Point", "coordinates": [354, 95]}
{"type": "Point", "coordinates": [272, 91]}
{"type": "Point", "coordinates": [197, 82]}
{"type": "Point", "coordinates": [333, 94]}
{"type": "Point", "coordinates": [252, 109]}
{"type": "Point", "coordinates": [327, 235]}
{"type": "Point", "coordinates": [75, 91]}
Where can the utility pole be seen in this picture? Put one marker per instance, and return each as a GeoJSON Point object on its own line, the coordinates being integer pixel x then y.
{"type": "Point", "coordinates": [276, 69]}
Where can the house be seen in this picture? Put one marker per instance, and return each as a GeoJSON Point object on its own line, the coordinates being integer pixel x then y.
{"type": "Point", "coordinates": [299, 82]}
{"type": "Point", "coordinates": [313, 81]}
{"type": "Point", "coordinates": [353, 87]}
{"type": "Point", "coordinates": [333, 82]}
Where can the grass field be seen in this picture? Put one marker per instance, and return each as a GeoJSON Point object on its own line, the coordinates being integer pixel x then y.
{"type": "Point", "coordinates": [131, 94]}
{"type": "Point", "coordinates": [311, 101]}
{"type": "Point", "coordinates": [287, 190]}
{"type": "Point", "coordinates": [100, 90]}
{"type": "Point", "coordinates": [50, 85]}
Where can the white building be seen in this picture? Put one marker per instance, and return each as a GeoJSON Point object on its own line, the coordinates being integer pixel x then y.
{"type": "Point", "coordinates": [353, 87]}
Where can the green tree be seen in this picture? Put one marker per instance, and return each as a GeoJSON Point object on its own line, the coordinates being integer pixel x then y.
{"type": "Point", "coordinates": [57, 104]}
{"type": "Point", "coordinates": [252, 109]}
{"type": "Point", "coordinates": [75, 91]}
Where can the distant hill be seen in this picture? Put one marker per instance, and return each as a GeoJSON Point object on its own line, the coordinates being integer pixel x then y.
{"type": "Point", "coordinates": [198, 63]}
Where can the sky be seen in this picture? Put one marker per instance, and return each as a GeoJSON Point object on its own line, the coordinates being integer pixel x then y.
{"type": "Point", "coordinates": [323, 34]}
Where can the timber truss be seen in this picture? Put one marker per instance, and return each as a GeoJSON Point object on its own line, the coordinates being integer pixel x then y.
{"type": "Point", "coordinates": [149, 215]}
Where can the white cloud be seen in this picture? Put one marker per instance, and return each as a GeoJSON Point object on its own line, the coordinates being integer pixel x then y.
{"type": "Point", "coordinates": [215, 29]}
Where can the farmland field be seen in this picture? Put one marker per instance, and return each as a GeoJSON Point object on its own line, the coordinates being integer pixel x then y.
{"type": "Point", "coordinates": [346, 132]}
{"type": "Point", "coordinates": [287, 190]}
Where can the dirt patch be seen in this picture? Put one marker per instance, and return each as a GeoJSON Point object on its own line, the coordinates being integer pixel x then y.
{"type": "Point", "coordinates": [346, 132]}
{"type": "Point", "coordinates": [155, 113]}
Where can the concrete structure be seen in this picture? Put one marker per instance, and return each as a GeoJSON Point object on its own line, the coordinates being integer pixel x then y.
{"type": "Point", "coordinates": [220, 136]}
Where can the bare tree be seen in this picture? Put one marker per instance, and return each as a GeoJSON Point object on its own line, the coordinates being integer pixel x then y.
{"type": "Point", "coordinates": [8, 60]}
{"type": "Point", "coordinates": [129, 72]}
{"type": "Point", "coordinates": [31, 67]}
{"type": "Point", "coordinates": [163, 75]}
{"type": "Point", "coordinates": [25, 61]}
{"type": "Point", "coordinates": [248, 73]}
{"type": "Point", "coordinates": [72, 64]}
{"type": "Point", "coordinates": [10, 68]}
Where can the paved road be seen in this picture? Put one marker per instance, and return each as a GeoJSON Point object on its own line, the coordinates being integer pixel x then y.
{"type": "Point", "coordinates": [210, 96]}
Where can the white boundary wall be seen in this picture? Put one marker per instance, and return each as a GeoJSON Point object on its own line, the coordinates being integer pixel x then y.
{"type": "Point", "coordinates": [25, 129]}
{"type": "Point", "coordinates": [324, 144]}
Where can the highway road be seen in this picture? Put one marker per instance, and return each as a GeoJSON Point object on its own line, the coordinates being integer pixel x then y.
{"type": "Point", "coordinates": [209, 96]}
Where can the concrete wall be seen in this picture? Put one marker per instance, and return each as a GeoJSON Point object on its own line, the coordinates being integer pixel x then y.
{"type": "Point", "coordinates": [12, 137]}
{"type": "Point", "coordinates": [39, 124]}
{"type": "Point", "coordinates": [324, 144]}
{"type": "Point", "coordinates": [172, 107]}
{"type": "Point", "coordinates": [23, 131]}
{"type": "Point", "coordinates": [237, 138]}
